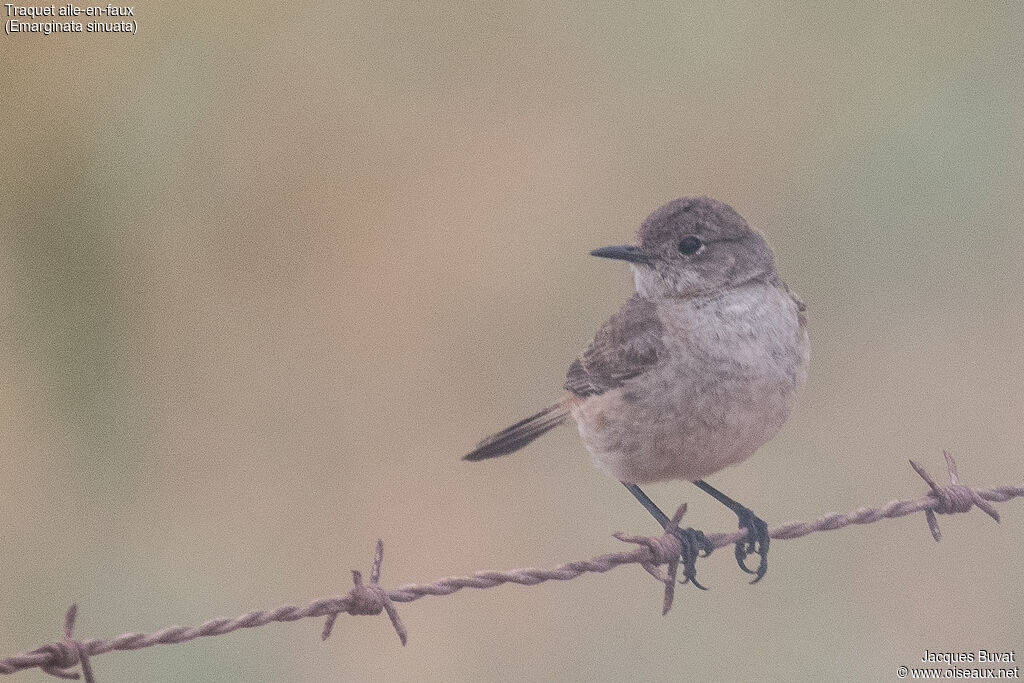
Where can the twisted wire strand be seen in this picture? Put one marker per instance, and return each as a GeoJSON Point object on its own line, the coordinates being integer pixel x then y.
{"type": "Point", "coordinates": [56, 658]}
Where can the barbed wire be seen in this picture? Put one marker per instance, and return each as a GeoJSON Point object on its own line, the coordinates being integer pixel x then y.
{"type": "Point", "coordinates": [651, 552]}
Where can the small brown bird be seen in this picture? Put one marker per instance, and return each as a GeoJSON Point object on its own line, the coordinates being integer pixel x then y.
{"type": "Point", "coordinates": [697, 370]}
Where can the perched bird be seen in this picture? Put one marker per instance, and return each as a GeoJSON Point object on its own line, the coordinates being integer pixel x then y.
{"type": "Point", "coordinates": [696, 371]}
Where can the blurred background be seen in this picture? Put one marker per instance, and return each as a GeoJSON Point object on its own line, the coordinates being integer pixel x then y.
{"type": "Point", "coordinates": [268, 271]}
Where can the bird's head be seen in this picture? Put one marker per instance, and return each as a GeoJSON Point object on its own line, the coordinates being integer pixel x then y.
{"type": "Point", "coordinates": [694, 246]}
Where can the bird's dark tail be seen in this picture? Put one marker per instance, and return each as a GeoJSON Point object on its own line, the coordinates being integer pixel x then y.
{"type": "Point", "coordinates": [521, 433]}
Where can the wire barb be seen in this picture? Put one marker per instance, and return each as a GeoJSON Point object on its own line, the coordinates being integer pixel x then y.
{"type": "Point", "coordinates": [952, 498]}
{"type": "Point", "coordinates": [368, 599]}
{"type": "Point", "coordinates": [67, 653]}
{"type": "Point", "coordinates": [665, 549]}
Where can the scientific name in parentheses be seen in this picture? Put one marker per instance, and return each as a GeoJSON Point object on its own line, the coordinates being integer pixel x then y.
{"type": "Point", "coordinates": [69, 10]}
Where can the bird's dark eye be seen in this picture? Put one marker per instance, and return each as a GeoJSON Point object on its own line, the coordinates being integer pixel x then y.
{"type": "Point", "coordinates": [690, 245]}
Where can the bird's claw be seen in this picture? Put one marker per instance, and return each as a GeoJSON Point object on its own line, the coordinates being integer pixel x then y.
{"type": "Point", "coordinates": [693, 544]}
{"type": "Point", "coordinates": [755, 543]}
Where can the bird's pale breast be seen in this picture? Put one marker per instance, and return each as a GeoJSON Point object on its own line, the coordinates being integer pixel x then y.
{"type": "Point", "coordinates": [724, 384]}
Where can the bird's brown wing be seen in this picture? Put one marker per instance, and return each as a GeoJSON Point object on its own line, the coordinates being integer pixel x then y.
{"type": "Point", "coordinates": [624, 347]}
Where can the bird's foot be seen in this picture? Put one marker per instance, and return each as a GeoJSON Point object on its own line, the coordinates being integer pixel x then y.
{"type": "Point", "coordinates": [756, 543]}
{"type": "Point", "coordinates": [693, 544]}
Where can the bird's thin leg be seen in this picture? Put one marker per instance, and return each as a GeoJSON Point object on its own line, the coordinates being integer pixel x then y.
{"type": "Point", "coordinates": [756, 542]}
{"type": "Point", "coordinates": [693, 543]}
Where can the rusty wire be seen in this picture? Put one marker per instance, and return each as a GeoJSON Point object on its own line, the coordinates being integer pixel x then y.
{"type": "Point", "coordinates": [59, 657]}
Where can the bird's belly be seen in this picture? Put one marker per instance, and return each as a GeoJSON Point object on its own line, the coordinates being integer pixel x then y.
{"type": "Point", "coordinates": [672, 427]}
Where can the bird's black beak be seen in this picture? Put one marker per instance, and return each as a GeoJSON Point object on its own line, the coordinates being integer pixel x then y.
{"type": "Point", "coordinates": [624, 252]}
